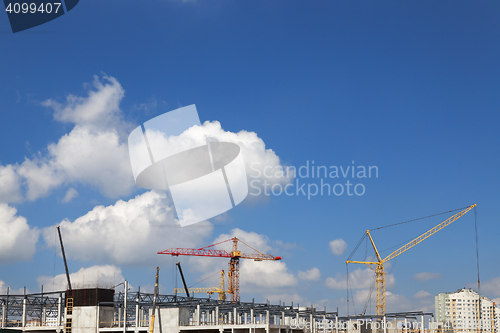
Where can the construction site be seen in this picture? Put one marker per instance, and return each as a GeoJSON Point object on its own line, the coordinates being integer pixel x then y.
{"type": "Point", "coordinates": [94, 310]}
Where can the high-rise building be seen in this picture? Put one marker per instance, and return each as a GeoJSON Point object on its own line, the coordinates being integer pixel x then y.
{"type": "Point", "coordinates": [465, 310]}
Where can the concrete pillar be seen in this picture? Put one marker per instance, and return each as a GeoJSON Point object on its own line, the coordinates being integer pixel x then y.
{"type": "Point", "coordinates": [136, 315]}
{"type": "Point", "coordinates": [235, 316]}
{"type": "Point", "coordinates": [125, 307]}
{"type": "Point", "coordinates": [267, 321]}
{"type": "Point", "coordinates": [197, 315]}
{"type": "Point", "coordinates": [216, 315]}
{"type": "Point", "coordinates": [120, 316]}
{"type": "Point", "coordinates": [336, 323]}
{"type": "Point", "coordinates": [385, 324]}
{"type": "Point", "coordinates": [422, 330]}
{"type": "Point", "coordinates": [349, 326]}
{"type": "Point", "coordinates": [24, 311]}
{"type": "Point", "coordinates": [97, 324]}
{"type": "Point", "coordinates": [406, 325]}
{"type": "Point", "coordinates": [44, 316]}
{"type": "Point", "coordinates": [59, 311]}
{"type": "Point", "coordinates": [3, 314]}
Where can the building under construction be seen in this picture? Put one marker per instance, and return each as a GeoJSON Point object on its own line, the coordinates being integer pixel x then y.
{"type": "Point", "coordinates": [100, 310]}
{"type": "Point", "coordinates": [97, 310]}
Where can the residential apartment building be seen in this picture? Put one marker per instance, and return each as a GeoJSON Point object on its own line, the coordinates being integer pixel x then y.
{"type": "Point", "coordinates": [465, 310]}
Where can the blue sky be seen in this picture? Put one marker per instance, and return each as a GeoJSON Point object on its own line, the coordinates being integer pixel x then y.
{"type": "Point", "coordinates": [410, 87]}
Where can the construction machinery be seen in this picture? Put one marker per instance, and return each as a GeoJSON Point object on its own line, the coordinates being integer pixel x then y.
{"type": "Point", "coordinates": [234, 261]}
{"type": "Point", "coordinates": [214, 290]}
{"type": "Point", "coordinates": [152, 324]}
{"type": "Point", "coordinates": [64, 257]}
{"type": "Point", "coordinates": [378, 266]}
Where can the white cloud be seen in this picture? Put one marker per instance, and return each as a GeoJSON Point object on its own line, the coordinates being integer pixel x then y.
{"type": "Point", "coordinates": [95, 151]}
{"type": "Point", "coordinates": [96, 158]}
{"type": "Point", "coordinates": [106, 276]}
{"type": "Point", "coordinates": [262, 165]}
{"type": "Point", "coordinates": [422, 294]}
{"type": "Point", "coordinates": [425, 276]}
{"type": "Point", "coordinates": [268, 274]}
{"type": "Point", "coordinates": [338, 246]}
{"type": "Point", "coordinates": [258, 241]}
{"type": "Point", "coordinates": [71, 193]}
{"type": "Point", "coordinates": [40, 177]}
{"type": "Point", "coordinates": [358, 279]}
{"type": "Point", "coordinates": [128, 232]}
{"type": "Point", "coordinates": [491, 287]}
{"type": "Point", "coordinates": [17, 239]}
{"type": "Point", "coordinates": [100, 109]}
{"type": "Point", "coordinates": [10, 186]}
{"type": "Point", "coordinates": [310, 275]}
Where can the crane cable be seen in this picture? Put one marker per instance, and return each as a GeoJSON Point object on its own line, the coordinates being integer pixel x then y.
{"type": "Point", "coordinates": [421, 218]}
{"type": "Point", "coordinates": [204, 279]}
{"type": "Point", "coordinates": [477, 252]}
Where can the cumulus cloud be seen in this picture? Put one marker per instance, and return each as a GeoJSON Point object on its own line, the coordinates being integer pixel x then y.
{"type": "Point", "coordinates": [101, 108]}
{"type": "Point", "coordinates": [10, 185]}
{"type": "Point", "coordinates": [422, 294]}
{"type": "Point", "coordinates": [95, 151]}
{"type": "Point", "coordinates": [17, 239]}
{"type": "Point", "coordinates": [128, 232]}
{"type": "Point", "coordinates": [258, 241]}
{"type": "Point", "coordinates": [338, 246]}
{"type": "Point", "coordinates": [491, 287]}
{"type": "Point", "coordinates": [96, 158]}
{"type": "Point", "coordinates": [106, 276]}
{"type": "Point", "coordinates": [261, 164]}
{"type": "Point", "coordinates": [71, 193]}
{"type": "Point", "coordinates": [269, 274]}
{"type": "Point", "coordinates": [358, 279]}
{"type": "Point", "coordinates": [425, 276]}
{"type": "Point", "coordinates": [310, 275]}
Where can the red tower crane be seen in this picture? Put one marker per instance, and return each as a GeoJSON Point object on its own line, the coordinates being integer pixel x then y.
{"type": "Point", "coordinates": [234, 261]}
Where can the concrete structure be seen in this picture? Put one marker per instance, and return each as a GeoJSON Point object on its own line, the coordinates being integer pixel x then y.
{"type": "Point", "coordinates": [466, 311]}
{"type": "Point", "coordinates": [91, 311]}
{"type": "Point", "coordinates": [88, 311]}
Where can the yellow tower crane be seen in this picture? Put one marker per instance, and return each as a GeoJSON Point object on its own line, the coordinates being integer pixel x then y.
{"type": "Point", "coordinates": [379, 264]}
{"type": "Point", "coordinates": [211, 290]}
